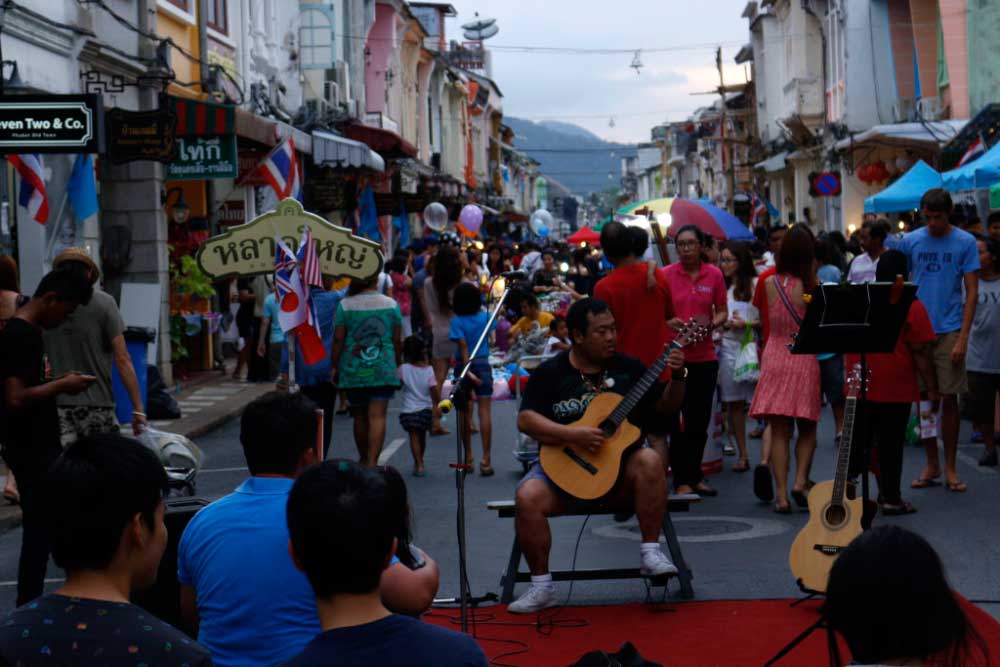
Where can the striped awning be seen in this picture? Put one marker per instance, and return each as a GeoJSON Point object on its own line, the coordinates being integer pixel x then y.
{"type": "Point", "coordinates": [195, 119]}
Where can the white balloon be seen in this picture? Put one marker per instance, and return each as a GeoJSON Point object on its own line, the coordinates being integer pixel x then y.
{"type": "Point", "coordinates": [540, 219]}
{"type": "Point", "coordinates": [436, 216]}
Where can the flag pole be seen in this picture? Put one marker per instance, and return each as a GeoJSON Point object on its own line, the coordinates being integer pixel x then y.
{"type": "Point", "coordinates": [293, 387]}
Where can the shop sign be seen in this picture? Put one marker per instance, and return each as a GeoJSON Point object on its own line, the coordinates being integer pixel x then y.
{"type": "Point", "coordinates": [326, 190]}
{"type": "Point", "coordinates": [50, 123]}
{"type": "Point", "coordinates": [204, 157]}
{"type": "Point", "coordinates": [232, 213]}
{"type": "Point", "coordinates": [249, 249]}
{"type": "Point", "coordinates": [248, 162]}
{"type": "Point", "coordinates": [141, 135]}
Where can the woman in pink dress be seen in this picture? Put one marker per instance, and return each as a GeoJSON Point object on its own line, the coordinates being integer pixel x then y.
{"type": "Point", "coordinates": [788, 390]}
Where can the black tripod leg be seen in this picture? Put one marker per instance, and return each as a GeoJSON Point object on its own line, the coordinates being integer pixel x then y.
{"type": "Point", "coordinates": [509, 579]}
{"type": "Point", "coordinates": [795, 642]}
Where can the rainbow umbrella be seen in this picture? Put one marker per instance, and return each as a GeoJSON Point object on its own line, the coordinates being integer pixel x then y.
{"type": "Point", "coordinates": [706, 217]}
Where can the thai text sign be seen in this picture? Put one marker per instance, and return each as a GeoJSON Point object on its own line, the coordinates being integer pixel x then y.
{"type": "Point", "coordinates": [141, 135]}
{"type": "Point", "coordinates": [249, 249]}
{"type": "Point", "coordinates": [50, 123]}
{"type": "Point", "coordinates": [204, 157]}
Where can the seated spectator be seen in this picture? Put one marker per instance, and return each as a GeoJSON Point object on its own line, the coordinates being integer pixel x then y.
{"type": "Point", "coordinates": [241, 595]}
{"type": "Point", "coordinates": [410, 583]}
{"type": "Point", "coordinates": [340, 523]}
{"type": "Point", "coordinates": [531, 314]}
{"type": "Point", "coordinates": [889, 599]}
{"type": "Point", "coordinates": [104, 512]}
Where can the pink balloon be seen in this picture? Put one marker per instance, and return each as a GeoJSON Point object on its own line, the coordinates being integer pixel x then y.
{"type": "Point", "coordinates": [471, 218]}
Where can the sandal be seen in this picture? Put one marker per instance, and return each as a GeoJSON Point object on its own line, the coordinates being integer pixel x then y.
{"type": "Point", "coordinates": [782, 509]}
{"type": "Point", "coordinates": [903, 507]}
{"type": "Point", "coordinates": [801, 496]}
{"type": "Point", "coordinates": [762, 485]}
{"type": "Point", "coordinates": [440, 430]}
{"type": "Point", "coordinates": [924, 483]}
{"type": "Point", "coordinates": [741, 466]}
{"type": "Point", "coordinates": [486, 470]}
{"type": "Point", "coordinates": [957, 487]}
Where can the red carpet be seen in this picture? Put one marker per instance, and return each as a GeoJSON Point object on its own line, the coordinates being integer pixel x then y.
{"type": "Point", "coordinates": [701, 634]}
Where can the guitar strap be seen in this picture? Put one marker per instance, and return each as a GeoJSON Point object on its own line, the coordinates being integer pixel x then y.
{"type": "Point", "coordinates": [788, 303]}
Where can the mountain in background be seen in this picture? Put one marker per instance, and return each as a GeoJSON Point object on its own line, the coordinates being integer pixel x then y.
{"type": "Point", "coordinates": [575, 157]}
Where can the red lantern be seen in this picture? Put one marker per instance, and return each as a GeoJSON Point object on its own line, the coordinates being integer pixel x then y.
{"type": "Point", "coordinates": [862, 173]}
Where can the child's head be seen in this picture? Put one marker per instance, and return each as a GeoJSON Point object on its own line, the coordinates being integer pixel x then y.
{"type": "Point", "coordinates": [993, 225]}
{"type": "Point", "coordinates": [558, 328]}
{"type": "Point", "coordinates": [414, 350]}
{"type": "Point", "coordinates": [466, 300]}
{"type": "Point", "coordinates": [529, 306]}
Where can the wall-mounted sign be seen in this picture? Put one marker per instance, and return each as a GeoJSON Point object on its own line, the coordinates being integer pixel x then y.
{"type": "Point", "coordinates": [232, 213]}
{"type": "Point", "coordinates": [824, 184]}
{"type": "Point", "coordinates": [204, 157]}
{"type": "Point", "coordinates": [249, 249]}
{"type": "Point", "coordinates": [50, 124]}
{"type": "Point", "coordinates": [140, 135]}
{"type": "Point", "coordinates": [326, 190]}
{"type": "Point", "coordinates": [249, 160]}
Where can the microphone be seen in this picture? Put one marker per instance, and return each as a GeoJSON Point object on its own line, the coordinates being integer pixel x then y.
{"type": "Point", "coordinates": [446, 406]}
{"type": "Point", "coordinates": [514, 275]}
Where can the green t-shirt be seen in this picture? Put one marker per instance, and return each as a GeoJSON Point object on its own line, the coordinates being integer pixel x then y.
{"type": "Point", "coordinates": [368, 358]}
{"type": "Point", "coordinates": [83, 343]}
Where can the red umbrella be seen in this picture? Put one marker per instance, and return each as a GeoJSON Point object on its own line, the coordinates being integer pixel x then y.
{"type": "Point", "coordinates": [584, 235]}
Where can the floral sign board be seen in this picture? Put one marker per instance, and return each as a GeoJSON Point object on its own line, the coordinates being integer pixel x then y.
{"type": "Point", "coordinates": [247, 250]}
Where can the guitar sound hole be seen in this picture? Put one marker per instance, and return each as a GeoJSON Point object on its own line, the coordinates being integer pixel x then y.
{"type": "Point", "coordinates": [608, 428]}
{"type": "Point", "coordinates": [835, 515]}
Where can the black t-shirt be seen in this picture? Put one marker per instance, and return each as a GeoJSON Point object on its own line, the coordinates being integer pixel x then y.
{"type": "Point", "coordinates": [395, 640]}
{"type": "Point", "coordinates": [558, 391]}
{"type": "Point", "coordinates": [30, 435]}
{"type": "Point", "coordinates": [58, 630]}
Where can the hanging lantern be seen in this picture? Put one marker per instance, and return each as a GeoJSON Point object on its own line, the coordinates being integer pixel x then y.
{"type": "Point", "coordinates": [862, 173]}
{"type": "Point", "coordinates": [883, 172]}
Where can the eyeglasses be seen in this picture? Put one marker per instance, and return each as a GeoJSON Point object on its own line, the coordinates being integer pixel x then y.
{"type": "Point", "coordinates": [687, 244]}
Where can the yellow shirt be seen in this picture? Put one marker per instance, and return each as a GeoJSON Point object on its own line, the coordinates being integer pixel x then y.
{"type": "Point", "coordinates": [523, 325]}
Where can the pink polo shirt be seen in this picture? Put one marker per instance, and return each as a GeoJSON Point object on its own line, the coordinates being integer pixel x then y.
{"type": "Point", "coordinates": [701, 296]}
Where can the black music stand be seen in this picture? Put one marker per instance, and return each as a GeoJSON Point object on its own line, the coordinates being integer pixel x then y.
{"type": "Point", "coordinates": [856, 319]}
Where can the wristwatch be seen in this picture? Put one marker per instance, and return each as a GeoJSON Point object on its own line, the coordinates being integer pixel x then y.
{"type": "Point", "coordinates": [679, 375]}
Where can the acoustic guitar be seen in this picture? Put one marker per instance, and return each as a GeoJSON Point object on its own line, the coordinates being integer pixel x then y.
{"type": "Point", "coordinates": [588, 475]}
{"type": "Point", "coordinates": [834, 521]}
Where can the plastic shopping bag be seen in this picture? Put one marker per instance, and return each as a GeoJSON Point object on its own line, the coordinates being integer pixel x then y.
{"type": "Point", "coordinates": [747, 365]}
{"type": "Point", "coordinates": [173, 449]}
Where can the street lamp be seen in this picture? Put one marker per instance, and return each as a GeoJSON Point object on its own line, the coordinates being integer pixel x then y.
{"type": "Point", "coordinates": [179, 211]}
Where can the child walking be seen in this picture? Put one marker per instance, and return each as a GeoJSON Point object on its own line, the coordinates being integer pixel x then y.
{"type": "Point", "coordinates": [466, 327]}
{"type": "Point", "coordinates": [420, 395]}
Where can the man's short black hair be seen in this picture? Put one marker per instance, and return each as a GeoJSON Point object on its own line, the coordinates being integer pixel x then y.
{"type": "Point", "coordinates": [67, 284]}
{"type": "Point", "coordinates": [937, 200]}
{"type": "Point", "coordinates": [577, 318]}
{"type": "Point", "coordinates": [92, 493]}
{"type": "Point", "coordinates": [276, 430]}
{"type": "Point", "coordinates": [616, 242]}
{"type": "Point", "coordinates": [877, 229]}
{"type": "Point", "coordinates": [550, 252]}
{"type": "Point", "coordinates": [528, 299]}
{"type": "Point", "coordinates": [341, 527]}
{"type": "Point", "coordinates": [640, 240]}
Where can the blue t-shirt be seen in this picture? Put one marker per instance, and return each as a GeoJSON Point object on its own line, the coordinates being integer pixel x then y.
{"type": "Point", "coordinates": [270, 311]}
{"type": "Point", "coordinates": [393, 640]}
{"type": "Point", "coordinates": [937, 266]}
{"type": "Point", "coordinates": [325, 304]}
{"type": "Point", "coordinates": [829, 273]}
{"type": "Point", "coordinates": [470, 328]}
{"type": "Point", "coordinates": [255, 607]}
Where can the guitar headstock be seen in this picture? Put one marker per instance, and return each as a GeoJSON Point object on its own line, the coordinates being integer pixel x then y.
{"type": "Point", "coordinates": [694, 330]}
{"type": "Point", "coordinates": [854, 381]}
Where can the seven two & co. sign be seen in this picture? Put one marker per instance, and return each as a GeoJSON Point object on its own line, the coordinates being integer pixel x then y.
{"type": "Point", "coordinates": [50, 124]}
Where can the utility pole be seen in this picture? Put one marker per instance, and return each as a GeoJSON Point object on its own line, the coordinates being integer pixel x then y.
{"type": "Point", "coordinates": [727, 164]}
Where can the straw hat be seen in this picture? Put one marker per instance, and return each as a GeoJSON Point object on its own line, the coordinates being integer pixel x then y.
{"type": "Point", "coordinates": [77, 255]}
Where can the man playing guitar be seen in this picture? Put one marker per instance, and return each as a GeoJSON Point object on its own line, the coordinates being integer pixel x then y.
{"type": "Point", "coordinates": [557, 395]}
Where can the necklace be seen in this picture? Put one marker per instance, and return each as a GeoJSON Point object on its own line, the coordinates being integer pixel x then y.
{"type": "Point", "coordinates": [592, 387]}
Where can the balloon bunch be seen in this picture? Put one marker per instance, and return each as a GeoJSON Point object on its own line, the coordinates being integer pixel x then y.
{"type": "Point", "coordinates": [540, 222]}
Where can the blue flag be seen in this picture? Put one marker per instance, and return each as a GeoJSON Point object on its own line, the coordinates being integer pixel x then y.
{"type": "Point", "coordinates": [368, 216]}
{"type": "Point", "coordinates": [402, 225]}
{"type": "Point", "coordinates": [81, 188]}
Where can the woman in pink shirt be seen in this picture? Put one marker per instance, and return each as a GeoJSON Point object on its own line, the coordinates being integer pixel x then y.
{"type": "Point", "coordinates": [697, 288]}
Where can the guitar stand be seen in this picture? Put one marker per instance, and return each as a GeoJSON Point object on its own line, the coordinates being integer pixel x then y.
{"type": "Point", "coordinates": [790, 646]}
{"type": "Point", "coordinates": [809, 594]}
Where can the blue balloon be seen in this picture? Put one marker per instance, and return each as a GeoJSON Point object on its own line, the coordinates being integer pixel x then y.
{"type": "Point", "coordinates": [543, 231]}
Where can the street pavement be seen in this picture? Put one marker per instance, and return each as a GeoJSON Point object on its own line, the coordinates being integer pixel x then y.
{"type": "Point", "coordinates": [736, 546]}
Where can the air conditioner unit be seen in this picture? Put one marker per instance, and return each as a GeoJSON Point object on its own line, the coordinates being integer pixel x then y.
{"type": "Point", "coordinates": [904, 110]}
{"type": "Point", "coordinates": [354, 108]}
{"type": "Point", "coordinates": [318, 108]}
{"type": "Point", "coordinates": [332, 93]}
{"type": "Point", "coordinates": [929, 108]}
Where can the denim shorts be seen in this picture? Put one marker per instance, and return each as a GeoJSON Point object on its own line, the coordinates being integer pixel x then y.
{"type": "Point", "coordinates": [480, 367]}
{"type": "Point", "coordinates": [360, 396]}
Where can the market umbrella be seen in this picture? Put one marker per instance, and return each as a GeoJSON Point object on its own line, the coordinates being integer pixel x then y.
{"type": "Point", "coordinates": [706, 217]}
{"type": "Point", "coordinates": [584, 235]}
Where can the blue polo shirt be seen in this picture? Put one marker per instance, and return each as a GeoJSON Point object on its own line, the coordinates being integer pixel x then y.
{"type": "Point", "coordinates": [255, 608]}
{"type": "Point", "coordinates": [325, 304]}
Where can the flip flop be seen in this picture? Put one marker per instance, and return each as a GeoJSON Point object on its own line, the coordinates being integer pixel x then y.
{"type": "Point", "coordinates": [486, 471]}
{"type": "Point", "coordinates": [924, 483]}
{"type": "Point", "coordinates": [897, 510]}
{"type": "Point", "coordinates": [957, 487]}
{"type": "Point", "coordinates": [778, 509]}
{"type": "Point", "coordinates": [801, 496]}
{"type": "Point", "coordinates": [762, 486]}
{"type": "Point", "coordinates": [741, 466]}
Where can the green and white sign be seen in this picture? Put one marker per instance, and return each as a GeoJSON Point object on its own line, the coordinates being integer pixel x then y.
{"type": "Point", "coordinates": [204, 157]}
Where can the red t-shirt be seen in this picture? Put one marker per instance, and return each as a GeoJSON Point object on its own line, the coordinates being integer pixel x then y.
{"type": "Point", "coordinates": [760, 303]}
{"type": "Point", "coordinates": [641, 314]}
{"type": "Point", "coordinates": [893, 374]}
{"type": "Point", "coordinates": [701, 296]}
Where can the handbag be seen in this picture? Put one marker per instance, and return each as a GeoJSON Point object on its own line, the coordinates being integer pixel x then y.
{"type": "Point", "coordinates": [795, 316]}
{"type": "Point", "coordinates": [746, 368]}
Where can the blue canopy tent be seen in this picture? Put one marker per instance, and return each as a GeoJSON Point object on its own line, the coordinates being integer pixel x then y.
{"type": "Point", "coordinates": [982, 172]}
{"type": "Point", "coordinates": [905, 193]}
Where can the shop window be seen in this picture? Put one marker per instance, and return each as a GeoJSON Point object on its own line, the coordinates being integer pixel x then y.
{"type": "Point", "coordinates": [316, 37]}
{"type": "Point", "coordinates": [217, 16]}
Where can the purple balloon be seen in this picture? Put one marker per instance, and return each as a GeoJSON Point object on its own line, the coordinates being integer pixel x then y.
{"type": "Point", "coordinates": [471, 218]}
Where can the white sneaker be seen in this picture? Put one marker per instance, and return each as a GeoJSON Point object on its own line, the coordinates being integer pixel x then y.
{"type": "Point", "coordinates": [536, 599]}
{"type": "Point", "coordinates": [656, 563]}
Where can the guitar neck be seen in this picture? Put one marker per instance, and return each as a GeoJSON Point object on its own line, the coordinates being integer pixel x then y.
{"type": "Point", "coordinates": [844, 455]}
{"type": "Point", "coordinates": [640, 388]}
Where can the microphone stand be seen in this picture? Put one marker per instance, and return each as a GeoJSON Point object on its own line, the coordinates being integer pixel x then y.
{"type": "Point", "coordinates": [459, 399]}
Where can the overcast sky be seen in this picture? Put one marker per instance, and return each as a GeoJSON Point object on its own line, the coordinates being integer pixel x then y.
{"type": "Point", "coordinates": [588, 89]}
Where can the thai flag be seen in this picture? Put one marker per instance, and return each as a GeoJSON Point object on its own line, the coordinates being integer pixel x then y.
{"type": "Point", "coordinates": [281, 169]}
{"type": "Point", "coordinates": [975, 150]}
{"type": "Point", "coordinates": [32, 194]}
{"type": "Point", "coordinates": [757, 209]}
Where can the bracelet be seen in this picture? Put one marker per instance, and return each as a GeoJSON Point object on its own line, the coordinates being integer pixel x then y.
{"type": "Point", "coordinates": [137, 412]}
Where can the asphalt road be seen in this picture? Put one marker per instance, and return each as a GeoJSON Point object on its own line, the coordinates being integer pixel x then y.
{"type": "Point", "coordinates": [736, 546]}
